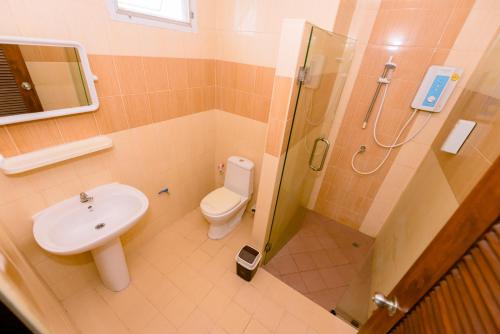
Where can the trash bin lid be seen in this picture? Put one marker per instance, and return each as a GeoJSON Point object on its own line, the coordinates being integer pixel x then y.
{"type": "Point", "coordinates": [248, 257]}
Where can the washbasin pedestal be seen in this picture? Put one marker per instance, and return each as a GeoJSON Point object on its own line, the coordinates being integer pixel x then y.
{"type": "Point", "coordinates": [111, 265]}
{"type": "Point", "coordinates": [93, 221]}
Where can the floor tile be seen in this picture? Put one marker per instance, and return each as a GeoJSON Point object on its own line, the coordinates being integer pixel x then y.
{"type": "Point", "coordinates": [337, 257]}
{"type": "Point", "coordinates": [134, 310]}
{"type": "Point", "coordinates": [211, 247]}
{"type": "Point", "coordinates": [197, 323]}
{"type": "Point", "coordinates": [269, 314]}
{"type": "Point", "coordinates": [91, 314]}
{"type": "Point", "coordinates": [178, 310]}
{"type": "Point", "coordinates": [248, 297]}
{"type": "Point", "coordinates": [159, 325]}
{"type": "Point", "coordinates": [291, 325]}
{"type": "Point", "coordinates": [215, 303]}
{"type": "Point", "coordinates": [347, 272]}
{"type": "Point", "coordinates": [321, 259]}
{"type": "Point", "coordinates": [295, 281]}
{"type": "Point", "coordinates": [254, 327]}
{"type": "Point", "coordinates": [304, 261]}
{"type": "Point", "coordinates": [313, 281]}
{"type": "Point", "coordinates": [327, 255]}
{"type": "Point", "coordinates": [234, 319]}
{"type": "Point", "coordinates": [285, 265]}
{"type": "Point", "coordinates": [331, 277]}
{"type": "Point", "coordinates": [230, 283]}
{"type": "Point", "coordinates": [182, 282]}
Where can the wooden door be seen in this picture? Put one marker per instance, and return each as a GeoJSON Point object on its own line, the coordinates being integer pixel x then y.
{"type": "Point", "coordinates": [453, 287]}
{"type": "Point", "coordinates": [17, 91]}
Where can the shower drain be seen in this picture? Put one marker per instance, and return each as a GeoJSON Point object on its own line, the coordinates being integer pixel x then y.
{"type": "Point", "coordinates": [99, 226]}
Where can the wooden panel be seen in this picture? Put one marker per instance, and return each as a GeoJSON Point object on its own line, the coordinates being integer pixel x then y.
{"type": "Point", "coordinates": [11, 101]}
{"type": "Point", "coordinates": [474, 216]}
{"type": "Point", "coordinates": [13, 72]}
{"type": "Point", "coordinates": [471, 283]}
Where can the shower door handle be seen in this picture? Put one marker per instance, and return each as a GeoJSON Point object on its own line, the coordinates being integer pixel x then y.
{"type": "Point", "coordinates": [311, 158]}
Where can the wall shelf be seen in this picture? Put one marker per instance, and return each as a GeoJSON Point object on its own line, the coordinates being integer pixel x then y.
{"type": "Point", "coordinates": [51, 155]}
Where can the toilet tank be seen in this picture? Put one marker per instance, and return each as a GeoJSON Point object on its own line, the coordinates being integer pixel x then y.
{"type": "Point", "coordinates": [239, 176]}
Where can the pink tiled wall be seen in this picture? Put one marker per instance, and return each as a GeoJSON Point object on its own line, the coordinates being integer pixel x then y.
{"type": "Point", "coordinates": [244, 89]}
{"type": "Point", "coordinates": [418, 34]}
{"type": "Point", "coordinates": [135, 91]}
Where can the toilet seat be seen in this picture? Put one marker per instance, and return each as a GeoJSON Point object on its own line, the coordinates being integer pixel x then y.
{"type": "Point", "coordinates": [220, 201]}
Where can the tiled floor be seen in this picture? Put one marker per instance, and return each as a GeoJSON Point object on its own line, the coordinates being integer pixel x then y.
{"type": "Point", "coordinates": [183, 282]}
{"type": "Point", "coordinates": [322, 259]}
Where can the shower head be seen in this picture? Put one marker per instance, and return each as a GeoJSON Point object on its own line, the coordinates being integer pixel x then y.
{"type": "Point", "coordinates": [390, 65]}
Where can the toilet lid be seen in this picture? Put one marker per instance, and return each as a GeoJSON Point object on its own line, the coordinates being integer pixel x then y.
{"type": "Point", "coordinates": [219, 201]}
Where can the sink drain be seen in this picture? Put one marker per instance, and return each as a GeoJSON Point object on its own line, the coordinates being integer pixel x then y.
{"type": "Point", "coordinates": [99, 226]}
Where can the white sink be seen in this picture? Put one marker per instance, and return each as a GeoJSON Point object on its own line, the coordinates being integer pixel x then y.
{"type": "Point", "coordinates": [72, 227]}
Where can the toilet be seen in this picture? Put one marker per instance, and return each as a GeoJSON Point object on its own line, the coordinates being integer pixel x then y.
{"type": "Point", "coordinates": [224, 207]}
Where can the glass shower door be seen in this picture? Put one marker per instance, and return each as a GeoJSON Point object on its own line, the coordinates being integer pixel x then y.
{"type": "Point", "coordinates": [327, 62]}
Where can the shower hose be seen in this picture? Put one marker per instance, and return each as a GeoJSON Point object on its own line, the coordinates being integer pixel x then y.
{"type": "Point", "coordinates": [395, 144]}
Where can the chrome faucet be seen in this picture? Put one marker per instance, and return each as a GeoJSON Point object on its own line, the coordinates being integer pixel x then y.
{"type": "Point", "coordinates": [84, 198]}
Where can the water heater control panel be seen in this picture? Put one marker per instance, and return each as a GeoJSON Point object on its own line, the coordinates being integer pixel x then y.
{"type": "Point", "coordinates": [437, 86]}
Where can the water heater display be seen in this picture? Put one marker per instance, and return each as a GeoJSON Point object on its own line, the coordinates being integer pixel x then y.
{"type": "Point", "coordinates": [436, 88]}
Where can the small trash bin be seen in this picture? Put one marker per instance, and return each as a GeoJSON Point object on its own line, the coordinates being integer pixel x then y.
{"type": "Point", "coordinates": [247, 261]}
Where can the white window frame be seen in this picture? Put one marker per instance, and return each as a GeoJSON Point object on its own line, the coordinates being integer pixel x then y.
{"type": "Point", "coordinates": [118, 14]}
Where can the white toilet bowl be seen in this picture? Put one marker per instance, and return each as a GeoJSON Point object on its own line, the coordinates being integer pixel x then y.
{"type": "Point", "coordinates": [223, 219]}
{"type": "Point", "coordinates": [224, 207]}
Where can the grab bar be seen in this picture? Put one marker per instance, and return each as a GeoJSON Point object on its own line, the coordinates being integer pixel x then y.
{"type": "Point", "coordinates": [311, 158]}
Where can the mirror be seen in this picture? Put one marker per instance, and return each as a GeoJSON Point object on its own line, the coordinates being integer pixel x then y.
{"type": "Point", "coordinates": [42, 79]}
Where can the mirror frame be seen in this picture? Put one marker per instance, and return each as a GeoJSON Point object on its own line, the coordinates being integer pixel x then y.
{"type": "Point", "coordinates": [89, 79]}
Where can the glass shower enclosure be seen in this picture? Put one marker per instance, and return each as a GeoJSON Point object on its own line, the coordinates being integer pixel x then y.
{"type": "Point", "coordinates": [321, 81]}
{"type": "Point", "coordinates": [324, 73]}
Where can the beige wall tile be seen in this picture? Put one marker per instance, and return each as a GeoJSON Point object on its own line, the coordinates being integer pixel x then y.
{"type": "Point", "coordinates": [137, 109]}
{"type": "Point", "coordinates": [260, 108]}
{"type": "Point", "coordinates": [196, 100]}
{"type": "Point", "coordinates": [209, 72]}
{"type": "Point", "coordinates": [130, 73]}
{"type": "Point", "coordinates": [77, 127]}
{"type": "Point", "coordinates": [104, 68]}
{"type": "Point", "coordinates": [179, 102]}
{"type": "Point", "coordinates": [196, 73]}
{"type": "Point", "coordinates": [31, 136]}
{"type": "Point", "coordinates": [264, 79]}
{"type": "Point", "coordinates": [209, 97]}
{"type": "Point", "coordinates": [281, 98]}
{"type": "Point", "coordinates": [225, 74]}
{"type": "Point", "coordinates": [408, 27]}
{"type": "Point", "coordinates": [156, 73]}
{"type": "Point", "coordinates": [7, 146]}
{"type": "Point", "coordinates": [275, 135]}
{"type": "Point", "coordinates": [111, 115]}
{"type": "Point", "coordinates": [245, 77]}
{"type": "Point", "coordinates": [344, 17]}
{"type": "Point", "coordinates": [178, 73]}
{"type": "Point", "coordinates": [455, 24]}
{"type": "Point", "coordinates": [243, 104]}
{"type": "Point", "coordinates": [228, 102]}
{"type": "Point", "coordinates": [159, 102]}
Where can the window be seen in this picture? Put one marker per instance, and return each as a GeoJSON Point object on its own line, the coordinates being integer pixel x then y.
{"type": "Point", "coordinates": [173, 14]}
